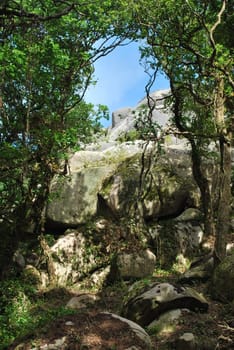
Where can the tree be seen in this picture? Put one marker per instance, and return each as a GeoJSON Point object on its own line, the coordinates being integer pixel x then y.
{"type": "Point", "coordinates": [192, 43]}
{"type": "Point", "coordinates": [46, 64]}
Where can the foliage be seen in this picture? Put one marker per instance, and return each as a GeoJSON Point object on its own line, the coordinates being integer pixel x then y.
{"type": "Point", "coordinates": [129, 136]}
{"type": "Point", "coordinates": [191, 42]}
{"type": "Point", "coordinates": [46, 64]}
{"type": "Point", "coordinates": [23, 311]}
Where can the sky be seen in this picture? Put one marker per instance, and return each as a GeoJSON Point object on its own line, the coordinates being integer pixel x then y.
{"type": "Point", "coordinates": [121, 80]}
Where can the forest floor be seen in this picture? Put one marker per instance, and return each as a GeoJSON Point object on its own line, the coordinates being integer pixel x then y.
{"type": "Point", "coordinates": [92, 329]}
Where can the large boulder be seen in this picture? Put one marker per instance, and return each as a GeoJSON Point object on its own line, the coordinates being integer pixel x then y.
{"type": "Point", "coordinates": [108, 183]}
{"type": "Point", "coordinates": [79, 190]}
{"type": "Point", "coordinates": [178, 238]}
{"type": "Point", "coordinates": [166, 185]}
{"type": "Point", "coordinates": [108, 176]}
{"type": "Point", "coordinates": [223, 279]}
{"type": "Point", "coordinates": [160, 298]}
{"type": "Point", "coordinates": [73, 256]}
{"type": "Point", "coordinates": [75, 198]}
{"type": "Point", "coordinates": [134, 265]}
{"type": "Point", "coordinates": [126, 119]}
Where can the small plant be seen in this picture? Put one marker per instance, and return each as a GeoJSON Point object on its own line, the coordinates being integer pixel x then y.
{"type": "Point", "coordinates": [130, 136]}
{"type": "Point", "coordinates": [153, 330]}
{"type": "Point", "coordinates": [23, 311]}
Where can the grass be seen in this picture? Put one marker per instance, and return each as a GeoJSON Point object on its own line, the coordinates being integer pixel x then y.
{"type": "Point", "coordinates": [24, 310]}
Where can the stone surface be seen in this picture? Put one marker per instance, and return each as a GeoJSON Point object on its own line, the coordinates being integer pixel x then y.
{"type": "Point", "coordinates": [72, 257]}
{"type": "Point", "coordinates": [167, 322]}
{"type": "Point", "coordinates": [82, 301]}
{"type": "Point", "coordinates": [176, 240]}
{"type": "Point", "coordinates": [125, 119]}
{"type": "Point", "coordinates": [79, 192]}
{"type": "Point", "coordinates": [138, 330]}
{"type": "Point", "coordinates": [168, 186]}
{"type": "Point", "coordinates": [202, 270]}
{"type": "Point", "coordinates": [19, 260]}
{"type": "Point", "coordinates": [135, 265]}
{"type": "Point", "coordinates": [106, 175]}
{"type": "Point", "coordinates": [160, 298]}
{"type": "Point", "coordinates": [186, 342]}
{"type": "Point", "coordinates": [39, 278]}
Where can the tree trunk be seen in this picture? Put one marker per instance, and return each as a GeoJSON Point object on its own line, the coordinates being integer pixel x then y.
{"type": "Point", "coordinates": [205, 189]}
{"type": "Point", "coordinates": [224, 205]}
{"type": "Point", "coordinates": [225, 171]}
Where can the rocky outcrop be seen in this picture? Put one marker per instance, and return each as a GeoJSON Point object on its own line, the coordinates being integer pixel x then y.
{"type": "Point", "coordinates": [66, 268]}
{"type": "Point", "coordinates": [76, 200]}
{"type": "Point", "coordinates": [109, 185]}
{"type": "Point", "coordinates": [177, 238]}
{"type": "Point", "coordinates": [124, 184]}
{"type": "Point", "coordinates": [127, 119]}
{"type": "Point", "coordinates": [159, 298]}
{"type": "Point", "coordinates": [201, 269]}
{"type": "Point", "coordinates": [109, 176]}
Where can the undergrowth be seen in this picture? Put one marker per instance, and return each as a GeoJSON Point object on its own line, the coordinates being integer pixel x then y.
{"type": "Point", "coordinates": [24, 310]}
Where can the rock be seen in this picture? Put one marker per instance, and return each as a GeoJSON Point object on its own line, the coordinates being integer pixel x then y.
{"type": "Point", "coordinates": [201, 273]}
{"type": "Point", "coordinates": [79, 192]}
{"type": "Point", "coordinates": [201, 269]}
{"type": "Point", "coordinates": [106, 182]}
{"type": "Point", "coordinates": [176, 240]}
{"type": "Point", "coordinates": [36, 277]}
{"type": "Point", "coordinates": [159, 298]}
{"type": "Point", "coordinates": [82, 301]}
{"type": "Point", "coordinates": [58, 344]}
{"type": "Point", "coordinates": [72, 257]}
{"type": "Point", "coordinates": [134, 265]}
{"type": "Point", "coordinates": [166, 323]}
{"type": "Point", "coordinates": [186, 342]}
{"type": "Point", "coordinates": [189, 215]}
{"type": "Point", "coordinates": [138, 330]}
{"type": "Point", "coordinates": [99, 277]}
{"type": "Point", "coordinates": [18, 259]}
{"type": "Point", "coordinates": [223, 280]}
{"type": "Point", "coordinates": [126, 119]}
{"type": "Point", "coordinates": [167, 192]}
{"type": "Point", "coordinates": [120, 115]}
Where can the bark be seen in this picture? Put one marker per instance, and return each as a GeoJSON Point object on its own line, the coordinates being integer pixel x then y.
{"type": "Point", "coordinates": [225, 173]}
{"type": "Point", "coordinates": [205, 188]}
{"type": "Point", "coordinates": [224, 205]}
{"type": "Point", "coordinates": [197, 166]}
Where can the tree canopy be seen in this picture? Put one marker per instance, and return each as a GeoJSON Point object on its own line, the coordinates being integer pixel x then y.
{"type": "Point", "coordinates": [46, 64]}
{"type": "Point", "coordinates": [192, 43]}
{"type": "Point", "coordinates": [47, 53]}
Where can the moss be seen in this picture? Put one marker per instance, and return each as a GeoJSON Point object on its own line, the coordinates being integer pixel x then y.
{"type": "Point", "coordinates": [165, 245]}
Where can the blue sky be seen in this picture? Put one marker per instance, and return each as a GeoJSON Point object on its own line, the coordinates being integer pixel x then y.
{"type": "Point", "coordinates": [121, 80]}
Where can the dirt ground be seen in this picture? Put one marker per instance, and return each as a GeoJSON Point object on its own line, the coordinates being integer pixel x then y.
{"type": "Point", "coordinates": [91, 329]}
